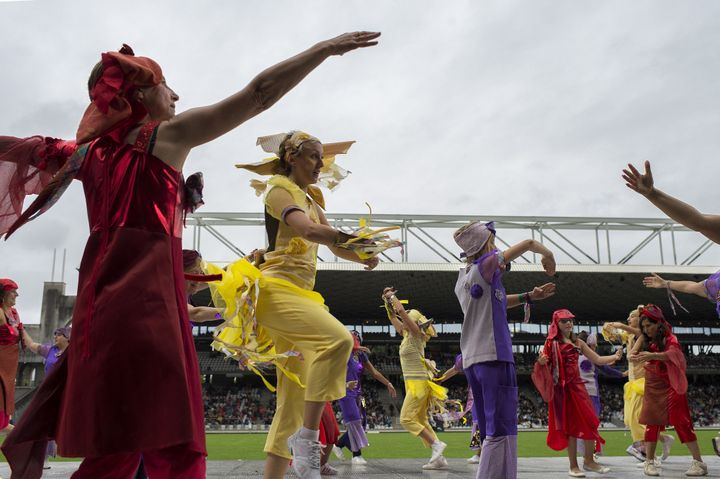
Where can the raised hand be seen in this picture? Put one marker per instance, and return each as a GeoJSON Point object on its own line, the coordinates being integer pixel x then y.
{"type": "Point", "coordinates": [654, 281]}
{"type": "Point", "coordinates": [541, 292]}
{"type": "Point", "coordinates": [351, 41]}
{"type": "Point", "coordinates": [642, 183]}
{"type": "Point", "coordinates": [548, 264]}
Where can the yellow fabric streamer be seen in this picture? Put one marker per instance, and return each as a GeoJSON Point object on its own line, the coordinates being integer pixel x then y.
{"type": "Point", "coordinates": [367, 243]}
{"type": "Point", "coordinates": [637, 386]}
{"type": "Point", "coordinates": [240, 337]}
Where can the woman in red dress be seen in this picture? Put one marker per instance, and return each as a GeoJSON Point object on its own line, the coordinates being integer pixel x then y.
{"type": "Point", "coordinates": [10, 341]}
{"type": "Point", "coordinates": [665, 401]}
{"type": "Point", "coordinates": [103, 402]}
{"type": "Point", "coordinates": [571, 415]}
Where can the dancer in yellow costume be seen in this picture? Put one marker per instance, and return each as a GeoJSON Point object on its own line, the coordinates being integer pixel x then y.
{"type": "Point", "coordinates": [635, 387]}
{"type": "Point", "coordinates": [280, 318]}
{"type": "Point", "coordinates": [421, 394]}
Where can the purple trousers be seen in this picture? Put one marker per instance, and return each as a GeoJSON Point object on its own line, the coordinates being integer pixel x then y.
{"type": "Point", "coordinates": [494, 387]}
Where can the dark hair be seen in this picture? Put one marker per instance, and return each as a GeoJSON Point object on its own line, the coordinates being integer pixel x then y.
{"type": "Point", "coordinates": [659, 338]}
{"type": "Point", "coordinates": [583, 335]}
{"type": "Point", "coordinates": [95, 75]}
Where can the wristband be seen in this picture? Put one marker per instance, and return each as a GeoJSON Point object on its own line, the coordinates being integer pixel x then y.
{"type": "Point", "coordinates": [218, 316]}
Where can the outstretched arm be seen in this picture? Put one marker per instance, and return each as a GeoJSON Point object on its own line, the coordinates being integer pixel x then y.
{"type": "Point", "coordinates": [201, 314]}
{"type": "Point", "coordinates": [548, 260]}
{"type": "Point", "coordinates": [596, 358]}
{"type": "Point", "coordinates": [538, 293]}
{"type": "Point", "coordinates": [407, 323]}
{"type": "Point", "coordinates": [382, 379]}
{"type": "Point", "coordinates": [197, 126]}
{"type": "Point", "coordinates": [29, 343]}
{"type": "Point", "coordinates": [683, 213]}
{"type": "Point", "coordinates": [690, 287]}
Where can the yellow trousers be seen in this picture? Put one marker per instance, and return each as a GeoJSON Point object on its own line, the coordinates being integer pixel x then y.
{"type": "Point", "coordinates": [419, 394]}
{"type": "Point", "coordinates": [299, 323]}
{"type": "Point", "coordinates": [634, 392]}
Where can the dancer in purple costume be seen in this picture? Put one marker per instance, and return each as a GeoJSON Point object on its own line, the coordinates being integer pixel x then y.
{"type": "Point", "coordinates": [485, 340]}
{"type": "Point", "coordinates": [352, 405]}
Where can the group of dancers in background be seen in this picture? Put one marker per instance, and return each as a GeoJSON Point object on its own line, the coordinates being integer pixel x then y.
{"type": "Point", "coordinates": [127, 389]}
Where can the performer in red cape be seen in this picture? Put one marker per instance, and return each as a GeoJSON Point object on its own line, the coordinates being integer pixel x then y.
{"type": "Point", "coordinates": [665, 401]}
{"type": "Point", "coordinates": [570, 411]}
{"type": "Point", "coordinates": [11, 331]}
{"type": "Point", "coordinates": [129, 383]}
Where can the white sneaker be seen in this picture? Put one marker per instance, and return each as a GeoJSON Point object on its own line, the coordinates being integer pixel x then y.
{"type": "Point", "coordinates": [439, 463]}
{"type": "Point", "coordinates": [657, 462]}
{"type": "Point", "coordinates": [327, 470]}
{"type": "Point", "coordinates": [667, 444]}
{"type": "Point", "coordinates": [358, 461]}
{"type": "Point", "coordinates": [474, 459]}
{"type": "Point", "coordinates": [635, 452]}
{"type": "Point", "coordinates": [438, 447]}
{"type": "Point", "coordinates": [338, 453]}
{"type": "Point", "coordinates": [306, 456]}
{"type": "Point", "coordinates": [650, 469]}
{"type": "Point", "coordinates": [697, 468]}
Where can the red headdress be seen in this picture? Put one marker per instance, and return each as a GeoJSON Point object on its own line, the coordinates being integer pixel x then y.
{"type": "Point", "coordinates": [46, 166]}
{"type": "Point", "coordinates": [675, 363]}
{"type": "Point", "coordinates": [8, 284]}
{"type": "Point", "coordinates": [547, 376]}
{"type": "Point", "coordinates": [112, 109]}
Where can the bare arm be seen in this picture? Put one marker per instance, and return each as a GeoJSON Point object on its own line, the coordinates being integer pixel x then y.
{"type": "Point", "coordinates": [201, 314]}
{"type": "Point", "coordinates": [595, 358]}
{"type": "Point", "coordinates": [382, 379]}
{"type": "Point", "coordinates": [392, 315]}
{"type": "Point", "coordinates": [538, 293]}
{"type": "Point", "coordinates": [407, 323]}
{"type": "Point", "coordinates": [199, 125]}
{"type": "Point", "coordinates": [452, 372]}
{"type": "Point", "coordinates": [683, 213]}
{"type": "Point", "coordinates": [548, 260]}
{"type": "Point", "coordinates": [637, 347]}
{"type": "Point", "coordinates": [3, 319]}
{"type": "Point", "coordinates": [346, 254]}
{"type": "Point", "coordinates": [690, 287]}
{"type": "Point", "coordinates": [625, 327]}
{"type": "Point", "coordinates": [29, 343]}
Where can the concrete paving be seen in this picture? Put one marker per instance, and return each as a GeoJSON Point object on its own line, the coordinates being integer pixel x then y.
{"type": "Point", "coordinates": [529, 468]}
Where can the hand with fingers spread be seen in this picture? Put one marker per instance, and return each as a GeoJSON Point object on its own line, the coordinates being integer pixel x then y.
{"type": "Point", "coordinates": [542, 292]}
{"type": "Point", "coordinates": [351, 41]}
{"type": "Point", "coordinates": [654, 281]}
{"type": "Point", "coordinates": [642, 183]}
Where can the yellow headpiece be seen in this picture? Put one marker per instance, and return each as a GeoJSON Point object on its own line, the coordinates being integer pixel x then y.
{"type": "Point", "coordinates": [426, 325]}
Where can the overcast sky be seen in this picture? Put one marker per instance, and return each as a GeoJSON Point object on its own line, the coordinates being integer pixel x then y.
{"type": "Point", "coordinates": [466, 107]}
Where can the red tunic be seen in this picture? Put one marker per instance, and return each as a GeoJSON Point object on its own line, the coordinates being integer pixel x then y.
{"type": "Point", "coordinates": [130, 379]}
{"type": "Point", "coordinates": [570, 411]}
{"type": "Point", "coordinates": [9, 354]}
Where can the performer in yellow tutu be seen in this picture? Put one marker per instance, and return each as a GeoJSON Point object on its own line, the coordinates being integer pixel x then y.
{"type": "Point", "coordinates": [276, 315]}
{"type": "Point", "coordinates": [421, 394]}
{"type": "Point", "coordinates": [635, 387]}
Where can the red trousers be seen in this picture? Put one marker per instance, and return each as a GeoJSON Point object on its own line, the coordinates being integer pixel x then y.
{"type": "Point", "coordinates": [684, 431]}
{"type": "Point", "coordinates": [177, 462]}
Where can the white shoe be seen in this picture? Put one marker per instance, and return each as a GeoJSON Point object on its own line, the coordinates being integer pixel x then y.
{"type": "Point", "coordinates": [306, 456]}
{"type": "Point", "coordinates": [327, 470]}
{"type": "Point", "coordinates": [338, 453]}
{"type": "Point", "coordinates": [358, 461]}
{"type": "Point", "coordinates": [474, 459]}
{"type": "Point", "coordinates": [697, 468]}
{"type": "Point", "coordinates": [439, 463]}
{"type": "Point", "coordinates": [650, 469]}
{"type": "Point", "coordinates": [635, 452]}
{"type": "Point", "coordinates": [656, 462]}
{"type": "Point", "coordinates": [572, 473]}
{"type": "Point", "coordinates": [438, 447]}
{"type": "Point", "coordinates": [597, 468]}
{"type": "Point", "coordinates": [667, 444]}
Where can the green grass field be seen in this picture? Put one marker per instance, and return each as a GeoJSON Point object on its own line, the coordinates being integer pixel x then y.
{"type": "Point", "coordinates": [400, 445]}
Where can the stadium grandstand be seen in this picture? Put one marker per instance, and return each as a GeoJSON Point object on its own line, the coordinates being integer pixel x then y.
{"type": "Point", "coordinates": [601, 263]}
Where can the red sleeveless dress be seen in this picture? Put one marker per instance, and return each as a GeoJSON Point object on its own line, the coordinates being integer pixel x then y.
{"type": "Point", "coordinates": [130, 379]}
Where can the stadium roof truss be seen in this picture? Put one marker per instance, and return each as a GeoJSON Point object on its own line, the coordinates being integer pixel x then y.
{"type": "Point", "coordinates": [575, 240]}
